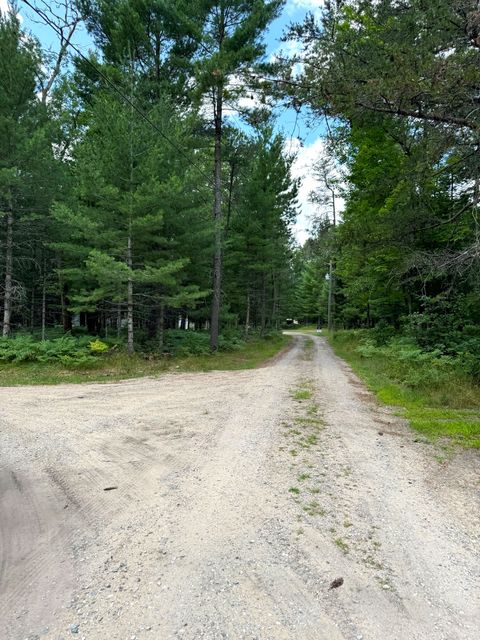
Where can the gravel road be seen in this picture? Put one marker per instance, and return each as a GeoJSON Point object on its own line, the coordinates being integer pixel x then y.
{"type": "Point", "coordinates": [224, 504]}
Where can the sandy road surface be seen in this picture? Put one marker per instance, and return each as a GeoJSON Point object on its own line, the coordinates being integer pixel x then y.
{"type": "Point", "coordinates": [235, 507]}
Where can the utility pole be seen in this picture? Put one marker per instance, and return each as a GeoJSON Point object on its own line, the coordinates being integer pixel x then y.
{"type": "Point", "coordinates": [331, 269]}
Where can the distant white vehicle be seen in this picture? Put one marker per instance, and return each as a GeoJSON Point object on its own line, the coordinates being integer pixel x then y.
{"type": "Point", "coordinates": [291, 322]}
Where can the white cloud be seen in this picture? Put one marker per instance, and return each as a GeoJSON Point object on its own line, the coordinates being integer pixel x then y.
{"type": "Point", "coordinates": [307, 5]}
{"type": "Point", "coordinates": [289, 50]}
{"type": "Point", "coordinates": [5, 7]}
{"type": "Point", "coordinates": [303, 168]}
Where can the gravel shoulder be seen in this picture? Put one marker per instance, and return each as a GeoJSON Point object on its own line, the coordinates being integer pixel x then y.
{"type": "Point", "coordinates": [222, 505]}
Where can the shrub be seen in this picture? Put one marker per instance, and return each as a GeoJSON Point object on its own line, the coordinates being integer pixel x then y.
{"type": "Point", "coordinates": [405, 362]}
{"type": "Point", "coordinates": [68, 350]}
{"type": "Point", "coordinates": [186, 343]}
{"type": "Point", "coordinates": [97, 346]}
{"type": "Point", "coordinates": [382, 333]}
{"type": "Point", "coordinates": [191, 343]}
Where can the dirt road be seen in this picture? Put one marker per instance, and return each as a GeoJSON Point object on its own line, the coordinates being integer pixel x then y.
{"type": "Point", "coordinates": [223, 505]}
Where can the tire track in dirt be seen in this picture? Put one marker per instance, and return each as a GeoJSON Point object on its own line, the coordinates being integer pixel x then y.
{"type": "Point", "coordinates": [202, 539]}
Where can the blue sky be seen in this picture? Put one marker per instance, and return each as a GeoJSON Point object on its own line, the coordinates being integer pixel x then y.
{"type": "Point", "coordinates": [306, 143]}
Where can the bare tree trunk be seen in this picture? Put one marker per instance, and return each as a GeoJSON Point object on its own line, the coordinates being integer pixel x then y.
{"type": "Point", "coordinates": [161, 325]}
{"type": "Point", "coordinates": [230, 198]}
{"type": "Point", "coordinates": [217, 217]}
{"type": "Point", "coordinates": [7, 298]}
{"type": "Point", "coordinates": [247, 316]}
{"type": "Point", "coordinates": [130, 345]}
{"type": "Point", "coordinates": [330, 323]}
{"type": "Point", "coordinates": [66, 315]}
{"type": "Point", "coordinates": [263, 310]}
{"type": "Point", "coordinates": [32, 310]}
{"type": "Point", "coordinates": [331, 273]}
{"type": "Point", "coordinates": [119, 319]}
{"type": "Point", "coordinates": [66, 18]}
{"type": "Point", "coordinates": [44, 300]}
{"type": "Point", "coordinates": [275, 301]}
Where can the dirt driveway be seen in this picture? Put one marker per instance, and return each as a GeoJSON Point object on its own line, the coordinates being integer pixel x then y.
{"type": "Point", "coordinates": [223, 505]}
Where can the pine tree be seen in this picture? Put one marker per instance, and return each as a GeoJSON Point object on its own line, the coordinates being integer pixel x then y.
{"type": "Point", "coordinates": [229, 34]}
{"type": "Point", "coordinates": [27, 175]}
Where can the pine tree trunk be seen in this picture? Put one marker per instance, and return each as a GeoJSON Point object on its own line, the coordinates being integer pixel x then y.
{"type": "Point", "coordinates": [331, 299]}
{"type": "Point", "coordinates": [8, 288]}
{"type": "Point", "coordinates": [247, 316]}
{"type": "Point", "coordinates": [130, 345]}
{"type": "Point", "coordinates": [275, 301]}
{"type": "Point", "coordinates": [263, 310]}
{"type": "Point", "coordinates": [32, 310]}
{"type": "Point", "coordinates": [331, 278]}
{"type": "Point", "coordinates": [217, 217]}
{"type": "Point", "coordinates": [66, 315]}
{"type": "Point", "coordinates": [119, 320]}
{"type": "Point", "coordinates": [161, 325]}
{"type": "Point", "coordinates": [230, 199]}
{"type": "Point", "coordinates": [44, 300]}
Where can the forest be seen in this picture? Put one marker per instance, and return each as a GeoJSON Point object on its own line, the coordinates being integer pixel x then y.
{"type": "Point", "coordinates": [147, 199]}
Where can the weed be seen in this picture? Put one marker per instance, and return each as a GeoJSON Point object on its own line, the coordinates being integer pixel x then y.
{"type": "Point", "coordinates": [314, 509]}
{"type": "Point", "coordinates": [434, 396]}
{"type": "Point", "coordinates": [341, 544]}
{"type": "Point", "coordinates": [302, 394]}
{"type": "Point", "coordinates": [370, 561]}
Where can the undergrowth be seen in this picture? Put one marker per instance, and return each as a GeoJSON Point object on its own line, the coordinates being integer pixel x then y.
{"type": "Point", "coordinates": [432, 390]}
{"type": "Point", "coordinates": [25, 360]}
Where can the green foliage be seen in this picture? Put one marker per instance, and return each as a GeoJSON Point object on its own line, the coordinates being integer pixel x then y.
{"type": "Point", "coordinates": [408, 364]}
{"type": "Point", "coordinates": [258, 257]}
{"type": "Point", "coordinates": [185, 343]}
{"type": "Point", "coordinates": [406, 251]}
{"type": "Point", "coordinates": [68, 350]}
{"type": "Point", "coordinates": [120, 366]}
{"type": "Point", "coordinates": [97, 346]}
{"type": "Point", "coordinates": [433, 391]}
{"type": "Point", "coordinates": [109, 213]}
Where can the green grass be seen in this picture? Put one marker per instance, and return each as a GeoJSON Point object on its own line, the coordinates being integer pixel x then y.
{"type": "Point", "coordinates": [307, 328]}
{"type": "Point", "coordinates": [302, 394]}
{"type": "Point", "coordinates": [341, 544]}
{"type": "Point", "coordinates": [313, 508]}
{"type": "Point", "coordinates": [120, 366]}
{"type": "Point", "coordinates": [449, 410]}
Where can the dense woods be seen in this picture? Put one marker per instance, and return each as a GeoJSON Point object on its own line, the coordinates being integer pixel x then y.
{"type": "Point", "coordinates": [399, 84]}
{"type": "Point", "coordinates": [110, 178]}
{"type": "Point", "coordinates": [137, 196]}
